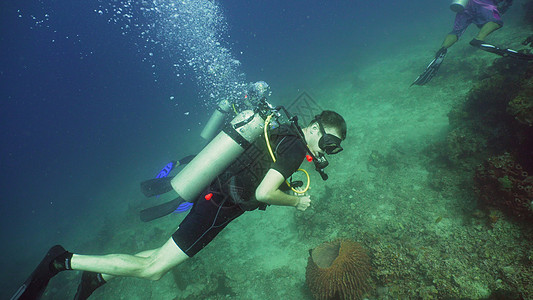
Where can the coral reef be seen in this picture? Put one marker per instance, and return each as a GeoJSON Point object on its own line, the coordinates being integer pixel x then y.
{"type": "Point", "coordinates": [501, 182]}
{"type": "Point", "coordinates": [491, 119]}
{"type": "Point", "coordinates": [481, 126]}
{"type": "Point", "coordinates": [521, 107]}
{"type": "Point", "coordinates": [497, 117]}
{"type": "Point", "coordinates": [463, 144]}
{"type": "Point", "coordinates": [424, 243]}
{"type": "Point", "coordinates": [338, 270]}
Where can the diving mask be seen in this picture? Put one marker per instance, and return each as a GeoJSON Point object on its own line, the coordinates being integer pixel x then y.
{"type": "Point", "coordinates": [328, 142]}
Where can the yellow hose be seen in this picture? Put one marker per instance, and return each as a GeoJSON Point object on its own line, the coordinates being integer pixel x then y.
{"type": "Point", "coordinates": [306, 187]}
{"type": "Point", "coordinates": [266, 137]}
{"type": "Point", "coordinates": [267, 140]}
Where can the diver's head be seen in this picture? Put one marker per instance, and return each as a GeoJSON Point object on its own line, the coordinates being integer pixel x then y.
{"type": "Point", "coordinates": [257, 91]}
{"type": "Point", "coordinates": [325, 133]}
{"type": "Point", "coordinates": [256, 94]}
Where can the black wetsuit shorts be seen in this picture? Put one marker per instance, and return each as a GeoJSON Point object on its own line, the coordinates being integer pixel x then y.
{"type": "Point", "coordinates": [205, 220]}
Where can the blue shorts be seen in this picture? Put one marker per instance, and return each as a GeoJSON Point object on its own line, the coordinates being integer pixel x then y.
{"type": "Point", "coordinates": [479, 12]}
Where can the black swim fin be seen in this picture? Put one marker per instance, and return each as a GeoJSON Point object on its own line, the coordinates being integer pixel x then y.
{"type": "Point", "coordinates": [34, 286]}
{"type": "Point", "coordinates": [156, 186]}
{"type": "Point", "coordinates": [90, 281]}
{"type": "Point", "coordinates": [186, 159]}
{"type": "Point", "coordinates": [161, 185]}
{"type": "Point", "coordinates": [431, 69]}
{"type": "Point", "coordinates": [161, 210]}
{"type": "Point", "coordinates": [504, 52]}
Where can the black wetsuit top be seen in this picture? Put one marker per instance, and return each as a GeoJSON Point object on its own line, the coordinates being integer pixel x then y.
{"type": "Point", "coordinates": [246, 173]}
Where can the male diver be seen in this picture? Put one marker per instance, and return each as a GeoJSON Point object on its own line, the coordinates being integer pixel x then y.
{"type": "Point", "coordinates": [254, 180]}
{"type": "Point", "coordinates": [486, 14]}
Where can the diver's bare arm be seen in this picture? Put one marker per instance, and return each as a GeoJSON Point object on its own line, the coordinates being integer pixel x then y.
{"type": "Point", "coordinates": [268, 191]}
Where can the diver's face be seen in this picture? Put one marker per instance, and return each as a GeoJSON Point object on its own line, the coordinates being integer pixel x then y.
{"type": "Point", "coordinates": [314, 136]}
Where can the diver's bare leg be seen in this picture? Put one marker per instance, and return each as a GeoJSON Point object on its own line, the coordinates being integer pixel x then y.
{"type": "Point", "coordinates": [145, 253]}
{"type": "Point", "coordinates": [150, 264]}
{"type": "Point", "coordinates": [487, 29]}
{"type": "Point", "coordinates": [449, 40]}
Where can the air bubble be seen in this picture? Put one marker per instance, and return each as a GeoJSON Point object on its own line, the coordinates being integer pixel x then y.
{"type": "Point", "coordinates": [193, 31]}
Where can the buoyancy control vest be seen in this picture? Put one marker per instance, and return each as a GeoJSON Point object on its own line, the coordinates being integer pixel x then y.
{"type": "Point", "coordinates": [240, 180]}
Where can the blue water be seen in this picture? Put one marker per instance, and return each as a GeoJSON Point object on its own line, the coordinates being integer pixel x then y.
{"type": "Point", "coordinates": [98, 95]}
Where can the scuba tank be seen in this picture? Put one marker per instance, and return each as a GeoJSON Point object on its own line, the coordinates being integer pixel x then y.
{"type": "Point", "coordinates": [458, 5]}
{"type": "Point", "coordinates": [255, 93]}
{"type": "Point", "coordinates": [217, 119]}
{"type": "Point", "coordinates": [218, 154]}
{"type": "Point", "coordinates": [231, 142]}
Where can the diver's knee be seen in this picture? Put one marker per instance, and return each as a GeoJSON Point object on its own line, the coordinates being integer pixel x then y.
{"type": "Point", "coordinates": [154, 269]}
{"type": "Point", "coordinates": [153, 274]}
{"type": "Point", "coordinates": [162, 260]}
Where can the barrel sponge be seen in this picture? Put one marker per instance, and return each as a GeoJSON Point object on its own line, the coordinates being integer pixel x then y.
{"type": "Point", "coordinates": [339, 269]}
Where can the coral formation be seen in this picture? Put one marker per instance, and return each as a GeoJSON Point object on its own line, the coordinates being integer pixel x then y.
{"type": "Point", "coordinates": [463, 144]}
{"type": "Point", "coordinates": [503, 183]}
{"type": "Point", "coordinates": [486, 123]}
{"type": "Point", "coordinates": [338, 270]}
{"type": "Point", "coordinates": [497, 117]}
{"type": "Point", "coordinates": [521, 107]}
{"type": "Point", "coordinates": [480, 126]}
{"type": "Point", "coordinates": [468, 254]}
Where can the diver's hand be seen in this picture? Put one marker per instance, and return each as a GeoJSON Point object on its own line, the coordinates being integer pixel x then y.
{"type": "Point", "coordinates": [303, 202]}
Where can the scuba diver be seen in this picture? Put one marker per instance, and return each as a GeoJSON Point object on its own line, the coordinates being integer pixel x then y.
{"type": "Point", "coordinates": [486, 14]}
{"type": "Point", "coordinates": [237, 171]}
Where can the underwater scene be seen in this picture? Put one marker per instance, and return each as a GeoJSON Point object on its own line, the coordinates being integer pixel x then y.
{"type": "Point", "coordinates": [201, 149]}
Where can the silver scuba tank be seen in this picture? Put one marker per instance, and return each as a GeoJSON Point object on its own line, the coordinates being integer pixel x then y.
{"type": "Point", "coordinates": [458, 5]}
{"type": "Point", "coordinates": [217, 119]}
{"type": "Point", "coordinates": [218, 155]}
